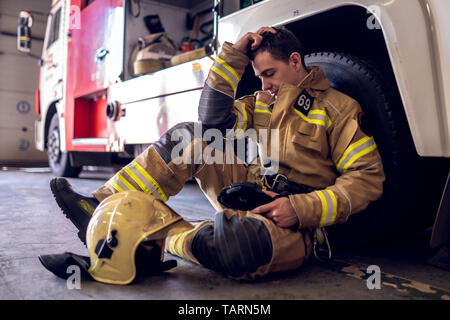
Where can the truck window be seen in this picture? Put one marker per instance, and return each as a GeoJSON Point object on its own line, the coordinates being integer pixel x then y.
{"type": "Point", "coordinates": [231, 6]}
{"type": "Point", "coordinates": [165, 33]}
{"type": "Point", "coordinates": [54, 28]}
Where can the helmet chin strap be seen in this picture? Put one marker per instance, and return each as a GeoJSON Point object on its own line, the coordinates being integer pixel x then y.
{"type": "Point", "coordinates": [148, 259]}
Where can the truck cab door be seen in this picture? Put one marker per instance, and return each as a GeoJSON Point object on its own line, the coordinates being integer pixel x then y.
{"type": "Point", "coordinates": [95, 61]}
{"type": "Point", "coordinates": [52, 61]}
{"type": "Point", "coordinates": [96, 46]}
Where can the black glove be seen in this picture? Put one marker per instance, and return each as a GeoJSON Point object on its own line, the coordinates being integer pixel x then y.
{"type": "Point", "coordinates": [243, 196]}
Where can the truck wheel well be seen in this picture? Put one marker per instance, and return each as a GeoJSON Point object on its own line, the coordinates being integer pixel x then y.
{"type": "Point", "coordinates": [50, 112]}
{"type": "Point", "coordinates": [341, 30]}
{"type": "Point", "coordinates": [345, 30]}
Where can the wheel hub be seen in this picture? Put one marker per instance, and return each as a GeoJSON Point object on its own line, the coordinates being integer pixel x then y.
{"type": "Point", "coordinates": [54, 152]}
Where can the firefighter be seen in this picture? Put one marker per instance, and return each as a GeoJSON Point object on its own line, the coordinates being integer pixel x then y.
{"type": "Point", "coordinates": [327, 168]}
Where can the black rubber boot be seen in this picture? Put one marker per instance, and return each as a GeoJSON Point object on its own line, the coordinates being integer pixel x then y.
{"type": "Point", "coordinates": [76, 207]}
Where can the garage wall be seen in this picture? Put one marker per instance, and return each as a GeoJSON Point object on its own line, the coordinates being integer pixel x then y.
{"type": "Point", "coordinates": [18, 83]}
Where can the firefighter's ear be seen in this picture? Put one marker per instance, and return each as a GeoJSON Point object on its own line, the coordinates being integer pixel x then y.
{"type": "Point", "coordinates": [295, 60]}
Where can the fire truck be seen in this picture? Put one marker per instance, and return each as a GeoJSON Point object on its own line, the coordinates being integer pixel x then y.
{"type": "Point", "coordinates": [391, 56]}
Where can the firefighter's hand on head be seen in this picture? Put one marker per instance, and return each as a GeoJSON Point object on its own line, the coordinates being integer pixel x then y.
{"type": "Point", "coordinates": [254, 38]}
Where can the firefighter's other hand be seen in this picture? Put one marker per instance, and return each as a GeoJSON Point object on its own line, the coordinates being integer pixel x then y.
{"type": "Point", "coordinates": [254, 38]}
{"type": "Point", "coordinates": [280, 211]}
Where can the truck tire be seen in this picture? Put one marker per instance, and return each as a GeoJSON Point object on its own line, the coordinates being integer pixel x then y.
{"type": "Point", "coordinates": [59, 161]}
{"type": "Point", "coordinates": [411, 193]}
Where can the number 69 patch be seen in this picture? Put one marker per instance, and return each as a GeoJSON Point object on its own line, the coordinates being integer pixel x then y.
{"type": "Point", "coordinates": [304, 102]}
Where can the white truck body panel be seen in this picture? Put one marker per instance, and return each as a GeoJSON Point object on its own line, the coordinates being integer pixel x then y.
{"type": "Point", "coordinates": [53, 74]}
{"type": "Point", "coordinates": [417, 35]}
{"type": "Point", "coordinates": [172, 94]}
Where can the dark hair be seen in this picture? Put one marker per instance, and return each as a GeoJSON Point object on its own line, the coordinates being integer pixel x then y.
{"type": "Point", "coordinates": [280, 45]}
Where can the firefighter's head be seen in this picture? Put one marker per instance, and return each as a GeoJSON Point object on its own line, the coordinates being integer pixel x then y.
{"type": "Point", "coordinates": [278, 58]}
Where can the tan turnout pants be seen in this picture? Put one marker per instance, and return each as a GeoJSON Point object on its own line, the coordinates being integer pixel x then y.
{"type": "Point", "coordinates": [149, 173]}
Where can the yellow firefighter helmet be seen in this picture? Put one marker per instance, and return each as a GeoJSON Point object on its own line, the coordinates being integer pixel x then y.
{"type": "Point", "coordinates": [119, 225]}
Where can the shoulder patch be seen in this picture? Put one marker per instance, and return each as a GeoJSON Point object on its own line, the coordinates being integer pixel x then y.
{"type": "Point", "coordinates": [304, 102]}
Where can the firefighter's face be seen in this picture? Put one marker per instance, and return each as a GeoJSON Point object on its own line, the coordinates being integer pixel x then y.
{"type": "Point", "coordinates": [273, 72]}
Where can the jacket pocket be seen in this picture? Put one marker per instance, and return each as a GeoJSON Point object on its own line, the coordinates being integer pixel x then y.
{"type": "Point", "coordinates": [307, 136]}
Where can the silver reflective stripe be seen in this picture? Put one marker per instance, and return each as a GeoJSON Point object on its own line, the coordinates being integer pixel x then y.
{"type": "Point", "coordinates": [354, 152]}
{"type": "Point", "coordinates": [262, 107]}
{"type": "Point", "coordinates": [120, 184]}
{"type": "Point", "coordinates": [226, 71]}
{"type": "Point", "coordinates": [139, 178]}
{"type": "Point", "coordinates": [316, 116]}
{"type": "Point", "coordinates": [241, 121]}
{"type": "Point", "coordinates": [329, 207]}
{"type": "Point", "coordinates": [321, 118]}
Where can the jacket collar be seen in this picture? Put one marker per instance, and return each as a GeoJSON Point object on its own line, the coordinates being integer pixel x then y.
{"type": "Point", "coordinates": [316, 80]}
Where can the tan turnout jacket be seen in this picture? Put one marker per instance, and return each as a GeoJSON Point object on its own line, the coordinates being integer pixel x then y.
{"type": "Point", "coordinates": [321, 144]}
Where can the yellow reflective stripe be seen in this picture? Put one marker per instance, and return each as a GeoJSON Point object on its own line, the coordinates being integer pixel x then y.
{"type": "Point", "coordinates": [223, 75]}
{"type": "Point", "coordinates": [137, 180]}
{"type": "Point", "coordinates": [242, 115]}
{"type": "Point", "coordinates": [228, 67]}
{"type": "Point", "coordinates": [115, 186]}
{"type": "Point", "coordinates": [150, 179]}
{"type": "Point", "coordinates": [314, 121]}
{"type": "Point", "coordinates": [321, 113]}
{"type": "Point", "coordinates": [359, 155]}
{"type": "Point", "coordinates": [329, 207]}
{"type": "Point", "coordinates": [354, 152]}
{"type": "Point", "coordinates": [120, 184]}
{"type": "Point", "coordinates": [351, 148]}
{"type": "Point", "coordinates": [261, 107]}
{"type": "Point", "coordinates": [260, 103]}
{"type": "Point", "coordinates": [245, 116]}
{"type": "Point", "coordinates": [125, 182]}
{"type": "Point", "coordinates": [324, 208]}
{"type": "Point", "coordinates": [224, 71]}
{"type": "Point", "coordinates": [261, 183]}
{"type": "Point", "coordinates": [172, 244]}
{"type": "Point", "coordinates": [262, 111]}
{"type": "Point", "coordinates": [146, 185]}
{"type": "Point", "coordinates": [181, 242]}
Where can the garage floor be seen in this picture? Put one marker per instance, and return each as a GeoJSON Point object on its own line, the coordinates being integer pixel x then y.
{"type": "Point", "coordinates": [31, 224]}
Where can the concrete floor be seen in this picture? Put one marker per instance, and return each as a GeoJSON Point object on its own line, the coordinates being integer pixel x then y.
{"type": "Point", "coordinates": [32, 224]}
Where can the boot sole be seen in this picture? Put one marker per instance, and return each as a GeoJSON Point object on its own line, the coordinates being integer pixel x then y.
{"type": "Point", "coordinates": [65, 210]}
